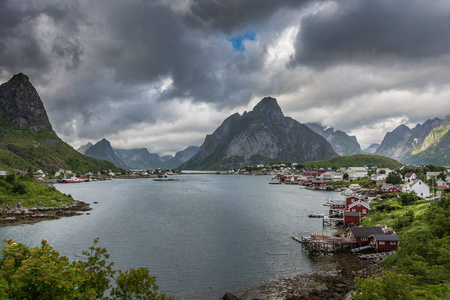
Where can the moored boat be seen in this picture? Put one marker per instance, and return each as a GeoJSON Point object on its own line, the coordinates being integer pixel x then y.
{"type": "Point", "coordinates": [316, 215]}
{"type": "Point", "coordinates": [274, 180]}
{"type": "Point", "coordinates": [72, 179]}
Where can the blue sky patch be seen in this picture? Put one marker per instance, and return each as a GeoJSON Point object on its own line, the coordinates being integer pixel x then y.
{"type": "Point", "coordinates": [237, 41]}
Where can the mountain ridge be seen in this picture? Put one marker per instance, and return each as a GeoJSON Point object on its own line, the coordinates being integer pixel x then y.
{"type": "Point", "coordinates": [341, 142]}
{"type": "Point", "coordinates": [426, 143]}
{"type": "Point", "coordinates": [259, 136]}
{"type": "Point", "coordinates": [27, 139]}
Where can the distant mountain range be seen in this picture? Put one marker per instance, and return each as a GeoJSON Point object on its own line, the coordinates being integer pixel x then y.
{"type": "Point", "coordinates": [427, 143]}
{"type": "Point", "coordinates": [259, 136]}
{"type": "Point", "coordinates": [371, 149]}
{"type": "Point", "coordinates": [341, 142]}
{"type": "Point", "coordinates": [136, 159]}
{"type": "Point", "coordinates": [27, 139]}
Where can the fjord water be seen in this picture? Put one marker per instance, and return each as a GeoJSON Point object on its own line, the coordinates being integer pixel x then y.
{"type": "Point", "coordinates": [200, 236]}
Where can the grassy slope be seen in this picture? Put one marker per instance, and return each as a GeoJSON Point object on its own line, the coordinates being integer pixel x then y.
{"type": "Point", "coordinates": [423, 253]}
{"type": "Point", "coordinates": [14, 189]}
{"type": "Point", "coordinates": [355, 161]}
{"type": "Point", "coordinates": [24, 150]}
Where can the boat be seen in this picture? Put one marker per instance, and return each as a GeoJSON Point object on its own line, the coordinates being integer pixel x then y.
{"type": "Point", "coordinates": [72, 179]}
{"type": "Point", "coordinates": [274, 180]}
{"type": "Point", "coordinates": [316, 215]}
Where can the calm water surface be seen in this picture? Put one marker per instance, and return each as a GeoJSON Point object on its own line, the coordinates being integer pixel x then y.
{"type": "Point", "coordinates": [201, 236]}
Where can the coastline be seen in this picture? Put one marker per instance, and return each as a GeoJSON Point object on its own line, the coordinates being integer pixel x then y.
{"type": "Point", "coordinates": [335, 280]}
{"type": "Point", "coordinates": [21, 215]}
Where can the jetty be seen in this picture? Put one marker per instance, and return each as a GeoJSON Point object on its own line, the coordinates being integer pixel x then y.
{"type": "Point", "coordinates": [320, 242]}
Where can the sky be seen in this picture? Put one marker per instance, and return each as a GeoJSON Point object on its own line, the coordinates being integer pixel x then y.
{"type": "Point", "coordinates": [163, 74]}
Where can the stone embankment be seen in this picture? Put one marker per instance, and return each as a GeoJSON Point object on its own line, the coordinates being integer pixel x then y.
{"type": "Point", "coordinates": [20, 215]}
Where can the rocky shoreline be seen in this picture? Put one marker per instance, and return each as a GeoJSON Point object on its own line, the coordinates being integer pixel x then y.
{"type": "Point", "coordinates": [333, 281]}
{"type": "Point", "coordinates": [20, 215]}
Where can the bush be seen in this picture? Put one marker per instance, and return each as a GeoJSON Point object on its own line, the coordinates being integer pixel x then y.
{"type": "Point", "coordinates": [19, 188]}
{"type": "Point", "coordinates": [40, 273]}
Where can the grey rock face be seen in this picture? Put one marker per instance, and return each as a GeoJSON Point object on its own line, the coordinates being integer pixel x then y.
{"type": "Point", "coordinates": [259, 136]}
{"type": "Point", "coordinates": [83, 148]}
{"type": "Point", "coordinates": [103, 150]}
{"type": "Point", "coordinates": [21, 106]}
{"type": "Point", "coordinates": [341, 142]}
{"type": "Point", "coordinates": [398, 143]}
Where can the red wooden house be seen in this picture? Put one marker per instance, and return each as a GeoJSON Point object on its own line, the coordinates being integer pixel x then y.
{"type": "Point", "coordinates": [318, 183]}
{"type": "Point", "coordinates": [390, 188]}
{"type": "Point", "coordinates": [352, 217]}
{"type": "Point", "coordinates": [338, 204]}
{"type": "Point", "coordinates": [352, 199]}
{"type": "Point", "coordinates": [361, 235]}
{"type": "Point", "coordinates": [384, 241]}
{"type": "Point", "coordinates": [359, 206]}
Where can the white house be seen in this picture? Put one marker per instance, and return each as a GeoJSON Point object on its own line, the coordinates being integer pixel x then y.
{"type": "Point", "coordinates": [378, 177]}
{"type": "Point", "coordinates": [419, 187]}
{"type": "Point", "coordinates": [356, 173]}
{"type": "Point", "coordinates": [441, 184]}
{"type": "Point", "coordinates": [432, 175]}
{"type": "Point", "coordinates": [410, 177]}
{"type": "Point", "coordinates": [386, 170]}
{"type": "Point", "coordinates": [3, 173]}
{"type": "Point", "coordinates": [332, 176]}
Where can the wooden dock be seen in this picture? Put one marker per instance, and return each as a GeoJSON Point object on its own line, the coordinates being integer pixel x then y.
{"type": "Point", "coordinates": [329, 221]}
{"type": "Point", "coordinates": [320, 242]}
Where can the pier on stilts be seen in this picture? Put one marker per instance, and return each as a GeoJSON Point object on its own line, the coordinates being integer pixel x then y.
{"type": "Point", "coordinates": [320, 242]}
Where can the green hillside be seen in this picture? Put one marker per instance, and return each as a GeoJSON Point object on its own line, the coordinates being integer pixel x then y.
{"type": "Point", "coordinates": [25, 150]}
{"type": "Point", "coordinates": [355, 161]}
{"type": "Point", "coordinates": [14, 189]}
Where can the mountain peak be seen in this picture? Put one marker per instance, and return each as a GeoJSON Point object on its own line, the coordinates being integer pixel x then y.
{"type": "Point", "coordinates": [20, 78]}
{"type": "Point", "coordinates": [22, 105]}
{"type": "Point", "coordinates": [259, 136]}
{"type": "Point", "coordinates": [268, 107]}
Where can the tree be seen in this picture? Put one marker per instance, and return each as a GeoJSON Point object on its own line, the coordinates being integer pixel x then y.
{"type": "Point", "coordinates": [442, 176]}
{"type": "Point", "coordinates": [387, 286]}
{"type": "Point", "coordinates": [40, 273]}
{"type": "Point", "coordinates": [394, 178]}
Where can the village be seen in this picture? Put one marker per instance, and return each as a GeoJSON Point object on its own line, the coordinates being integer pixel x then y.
{"type": "Point", "coordinates": [377, 241]}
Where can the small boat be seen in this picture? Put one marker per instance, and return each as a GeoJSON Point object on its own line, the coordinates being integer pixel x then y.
{"type": "Point", "coordinates": [274, 180]}
{"type": "Point", "coordinates": [72, 179]}
{"type": "Point", "coordinates": [316, 215]}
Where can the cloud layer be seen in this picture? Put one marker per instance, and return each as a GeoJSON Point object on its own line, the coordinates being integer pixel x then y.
{"type": "Point", "coordinates": [163, 74]}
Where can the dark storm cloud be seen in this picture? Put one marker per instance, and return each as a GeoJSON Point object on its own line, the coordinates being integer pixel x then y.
{"type": "Point", "coordinates": [107, 67]}
{"type": "Point", "coordinates": [366, 31]}
{"type": "Point", "coordinates": [21, 48]}
{"type": "Point", "coordinates": [230, 15]}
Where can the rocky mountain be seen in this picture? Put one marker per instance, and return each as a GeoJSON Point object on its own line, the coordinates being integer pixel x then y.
{"type": "Point", "coordinates": [27, 139]}
{"type": "Point", "coordinates": [103, 150]}
{"type": "Point", "coordinates": [182, 157]}
{"type": "Point", "coordinates": [435, 148]}
{"type": "Point", "coordinates": [142, 159]}
{"type": "Point", "coordinates": [83, 148]}
{"type": "Point", "coordinates": [259, 136]}
{"type": "Point", "coordinates": [139, 159]}
{"type": "Point", "coordinates": [21, 105]}
{"type": "Point", "coordinates": [424, 144]}
{"type": "Point", "coordinates": [371, 149]}
{"type": "Point", "coordinates": [341, 142]}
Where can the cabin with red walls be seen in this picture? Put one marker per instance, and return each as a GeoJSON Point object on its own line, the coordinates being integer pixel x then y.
{"type": "Point", "coordinates": [361, 235]}
{"type": "Point", "coordinates": [384, 241]}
